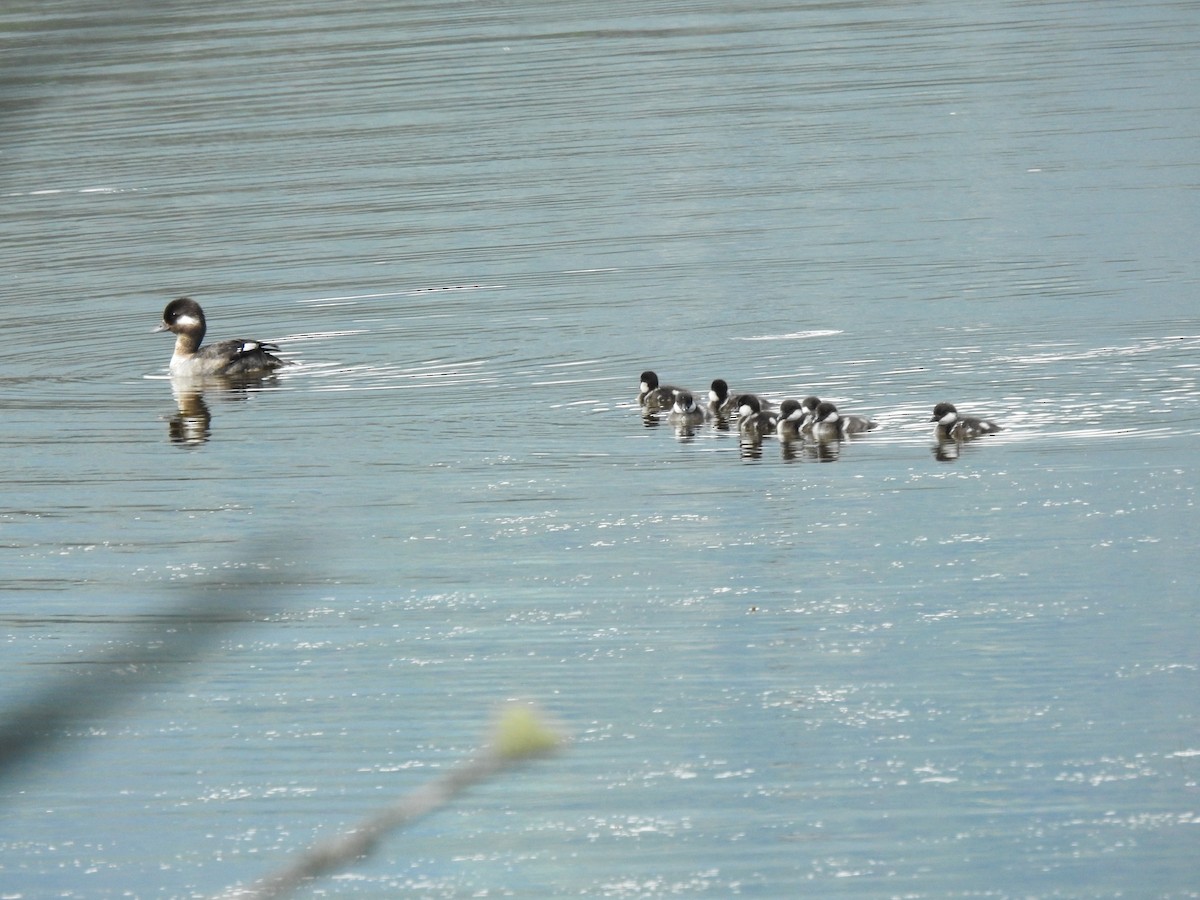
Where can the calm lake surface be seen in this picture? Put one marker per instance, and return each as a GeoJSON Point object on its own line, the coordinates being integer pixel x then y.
{"type": "Point", "coordinates": [872, 671]}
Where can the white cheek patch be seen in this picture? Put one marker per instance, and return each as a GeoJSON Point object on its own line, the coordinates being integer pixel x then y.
{"type": "Point", "coordinates": [185, 319]}
{"type": "Point", "coordinates": [948, 418]}
{"type": "Point", "coordinates": [713, 398]}
{"type": "Point", "coordinates": [645, 388]}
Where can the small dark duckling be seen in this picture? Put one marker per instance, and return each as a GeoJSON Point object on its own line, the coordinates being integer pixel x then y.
{"type": "Point", "coordinates": [809, 404]}
{"type": "Point", "coordinates": [753, 421]}
{"type": "Point", "coordinates": [790, 420]}
{"type": "Point", "coordinates": [722, 404]}
{"type": "Point", "coordinates": [654, 396]}
{"type": "Point", "coordinates": [685, 410]}
{"type": "Point", "coordinates": [829, 424]}
{"type": "Point", "coordinates": [954, 427]}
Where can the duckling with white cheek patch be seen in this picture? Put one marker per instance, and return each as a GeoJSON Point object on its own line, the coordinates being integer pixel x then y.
{"type": "Point", "coordinates": [954, 427]}
{"type": "Point", "coordinates": [829, 424]}
{"type": "Point", "coordinates": [721, 403]}
{"type": "Point", "coordinates": [685, 411]}
{"type": "Point", "coordinates": [654, 396]}
{"type": "Point", "coordinates": [790, 420]}
{"type": "Point", "coordinates": [753, 421]}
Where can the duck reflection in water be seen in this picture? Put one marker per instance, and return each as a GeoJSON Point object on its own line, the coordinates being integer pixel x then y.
{"type": "Point", "coordinates": [823, 451]}
{"type": "Point", "coordinates": [946, 451]}
{"type": "Point", "coordinates": [810, 451]}
{"type": "Point", "coordinates": [191, 425]}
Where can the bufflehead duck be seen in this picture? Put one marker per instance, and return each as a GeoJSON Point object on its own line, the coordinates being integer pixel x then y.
{"type": "Point", "coordinates": [953, 427]}
{"type": "Point", "coordinates": [654, 396]}
{"type": "Point", "coordinates": [185, 319]}
{"type": "Point", "coordinates": [790, 420]}
{"type": "Point", "coordinates": [721, 403]}
{"type": "Point", "coordinates": [753, 420]}
{"type": "Point", "coordinates": [809, 404]}
{"type": "Point", "coordinates": [685, 411]}
{"type": "Point", "coordinates": [829, 424]}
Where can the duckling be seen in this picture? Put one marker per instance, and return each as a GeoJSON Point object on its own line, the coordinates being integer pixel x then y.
{"type": "Point", "coordinates": [721, 403]}
{"type": "Point", "coordinates": [830, 424]}
{"type": "Point", "coordinates": [789, 421]}
{"type": "Point", "coordinates": [654, 396]}
{"type": "Point", "coordinates": [953, 427]}
{"type": "Point", "coordinates": [685, 410]}
{"type": "Point", "coordinates": [753, 421]}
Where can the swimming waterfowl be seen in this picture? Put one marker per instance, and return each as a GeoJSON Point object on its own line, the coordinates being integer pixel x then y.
{"type": "Point", "coordinates": [954, 427]}
{"type": "Point", "coordinates": [685, 411]}
{"type": "Point", "coordinates": [654, 396]}
{"type": "Point", "coordinates": [753, 421]}
{"type": "Point", "coordinates": [185, 319]}
{"type": "Point", "coordinates": [790, 420]}
{"type": "Point", "coordinates": [722, 403]}
{"type": "Point", "coordinates": [829, 424]}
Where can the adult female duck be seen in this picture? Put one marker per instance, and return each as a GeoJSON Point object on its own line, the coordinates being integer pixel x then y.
{"type": "Point", "coordinates": [185, 319]}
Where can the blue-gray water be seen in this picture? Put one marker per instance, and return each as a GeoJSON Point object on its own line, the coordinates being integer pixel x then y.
{"type": "Point", "coordinates": [472, 226]}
